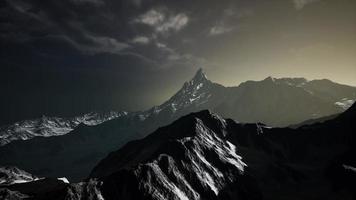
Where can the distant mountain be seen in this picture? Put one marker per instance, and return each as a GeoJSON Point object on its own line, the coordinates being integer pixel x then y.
{"type": "Point", "coordinates": [203, 156]}
{"type": "Point", "coordinates": [314, 121]}
{"type": "Point", "coordinates": [275, 102]}
{"type": "Point", "coordinates": [281, 102]}
{"type": "Point", "coordinates": [52, 126]}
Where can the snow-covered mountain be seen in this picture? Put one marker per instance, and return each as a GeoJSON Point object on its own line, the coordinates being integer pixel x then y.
{"type": "Point", "coordinates": [52, 126]}
{"type": "Point", "coordinates": [204, 156]}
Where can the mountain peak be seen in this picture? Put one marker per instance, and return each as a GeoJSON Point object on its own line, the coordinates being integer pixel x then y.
{"type": "Point", "coordinates": [199, 76]}
{"type": "Point", "coordinates": [197, 81]}
{"type": "Point", "coordinates": [269, 79]}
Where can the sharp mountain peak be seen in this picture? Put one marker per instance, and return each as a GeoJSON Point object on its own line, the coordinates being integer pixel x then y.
{"type": "Point", "coordinates": [199, 76]}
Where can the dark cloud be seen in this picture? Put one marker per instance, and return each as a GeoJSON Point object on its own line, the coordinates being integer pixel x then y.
{"type": "Point", "coordinates": [98, 26]}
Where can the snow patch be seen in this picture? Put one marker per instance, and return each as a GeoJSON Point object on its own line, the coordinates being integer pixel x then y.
{"type": "Point", "coordinates": [162, 180]}
{"type": "Point", "coordinates": [345, 103]}
{"type": "Point", "coordinates": [348, 167]}
{"type": "Point", "coordinates": [64, 179]}
{"type": "Point", "coordinates": [235, 160]}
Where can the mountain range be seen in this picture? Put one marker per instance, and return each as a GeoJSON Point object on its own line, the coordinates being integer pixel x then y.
{"type": "Point", "coordinates": [52, 126]}
{"type": "Point", "coordinates": [204, 156]}
{"type": "Point", "coordinates": [274, 102]}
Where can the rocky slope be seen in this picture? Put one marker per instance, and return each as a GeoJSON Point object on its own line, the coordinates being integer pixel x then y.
{"type": "Point", "coordinates": [202, 156]}
{"type": "Point", "coordinates": [189, 159]}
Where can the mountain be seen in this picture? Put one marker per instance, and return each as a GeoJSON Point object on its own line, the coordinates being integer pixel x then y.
{"type": "Point", "coordinates": [281, 102]}
{"type": "Point", "coordinates": [275, 102]}
{"type": "Point", "coordinates": [189, 159]}
{"type": "Point", "coordinates": [14, 183]}
{"type": "Point", "coordinates": [270, 101]}
{"type": "Point", "coordinates": [52, 126]}
{"type": "Point", "coordinates": [12, 175]}
{"type": "Point", "coordinates": [54, 189]}
{"type": "Point", "coordinates": [313, 121]}
{"type": "Point", "coordinates": [204, 156]}
{"type": "Point", "coordinates": [42, 189]}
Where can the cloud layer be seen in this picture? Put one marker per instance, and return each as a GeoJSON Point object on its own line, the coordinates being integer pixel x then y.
{"type": "Point", "coordinates": [163, 22]}
{"type": "Point", "coordinates": [299, 4]}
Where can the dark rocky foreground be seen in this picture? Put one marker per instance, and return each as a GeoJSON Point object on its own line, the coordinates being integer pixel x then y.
{"type": "Point", "coordinates": [202, 156]}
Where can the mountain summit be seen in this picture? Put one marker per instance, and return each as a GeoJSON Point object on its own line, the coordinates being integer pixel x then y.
{"type": "Point", "coordinates": [200, 76]}
{"type": "Point", "coordinates": [196, 94]}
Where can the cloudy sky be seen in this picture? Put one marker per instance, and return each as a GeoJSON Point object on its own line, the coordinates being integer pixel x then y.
{"type": "Point", "coordinates": [71, 56]}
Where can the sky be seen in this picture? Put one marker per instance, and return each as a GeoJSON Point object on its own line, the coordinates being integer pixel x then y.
{"type": "Point", "coordinates": [73, 56]}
